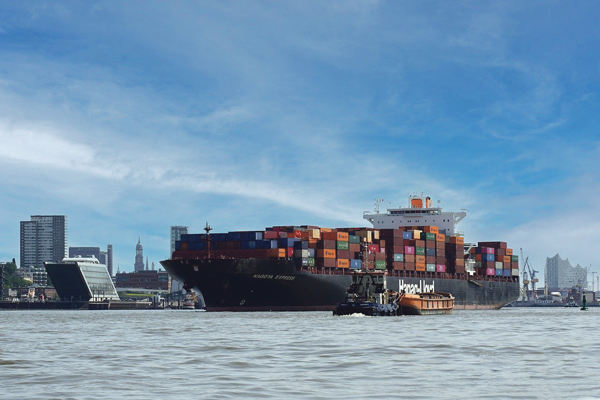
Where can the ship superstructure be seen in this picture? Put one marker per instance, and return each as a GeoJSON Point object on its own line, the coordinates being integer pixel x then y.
{"type": "Point", "coordinates": [420, 212]}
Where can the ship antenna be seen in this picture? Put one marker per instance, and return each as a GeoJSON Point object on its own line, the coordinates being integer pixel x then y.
{"type": "Point", "coordinates": [377, 202]}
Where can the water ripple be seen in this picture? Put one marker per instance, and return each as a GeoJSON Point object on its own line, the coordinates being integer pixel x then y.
{"type": "Point", "coordinates": [514, 354]}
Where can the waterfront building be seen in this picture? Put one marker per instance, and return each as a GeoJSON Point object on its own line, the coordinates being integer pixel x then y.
{"type": "Point", "coordinates": [82, 279]}
{"type": "Point", "coordinates": [35, 275]}
{"type": "Point", "coordinates": [560, 275]}
{"type": "Point", "coordinates": [151, 279]}
{"type": "Point", "coordinates": [43, 238]}
{"type": "Point", "coordinates": [176, 232]}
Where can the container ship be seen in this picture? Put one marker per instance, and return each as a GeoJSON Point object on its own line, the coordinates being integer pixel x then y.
{"type": "Point", "coordinates": [309, 268]}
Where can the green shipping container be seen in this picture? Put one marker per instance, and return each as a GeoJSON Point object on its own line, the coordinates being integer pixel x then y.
{"type": "Point", "coordinates": [514, 258]}
{"type": "Point", "coordinates": [430, 267]}
{"type": "Point", "coordinates": [420, 251]}
{"type": "Point", "coordinates": [427, 236]}
{"type": "Point", "coordinates": [353, 239]}
{"type": "Point", "coordinates": [379, 264]}
{"type": "Point", "coordinates": [342, 245]}
{"type": "Point", "coordinates": [311, 262]}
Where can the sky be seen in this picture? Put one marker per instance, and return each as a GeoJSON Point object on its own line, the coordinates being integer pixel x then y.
{"type": "Point", "coordinates": [132, 116]}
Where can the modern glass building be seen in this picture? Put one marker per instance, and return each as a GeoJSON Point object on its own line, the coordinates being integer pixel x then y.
{"type": "Point", "coordinates": [560, 275]}
{"type": "Point", "coordinates": [81, 279]}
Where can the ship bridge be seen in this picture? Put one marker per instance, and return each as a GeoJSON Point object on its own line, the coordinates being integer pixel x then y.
{"type": "Point", "coordinates": [419, 213]}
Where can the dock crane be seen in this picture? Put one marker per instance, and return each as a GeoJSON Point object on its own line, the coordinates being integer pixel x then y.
{"type": "Point", "coordinates": [527, 269]}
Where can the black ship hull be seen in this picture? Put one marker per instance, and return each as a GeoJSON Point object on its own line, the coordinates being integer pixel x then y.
{"type": "Point", "coordinates": [277, 285]}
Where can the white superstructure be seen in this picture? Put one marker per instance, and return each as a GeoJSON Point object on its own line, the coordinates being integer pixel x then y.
{"type": "Point", "coordinates": [420, 212]}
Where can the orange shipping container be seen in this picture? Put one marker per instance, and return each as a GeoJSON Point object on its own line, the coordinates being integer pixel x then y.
{"type": "Point", "coordinates": [440, 237]}
{"type": "Point", "coordinates": [431, 229]}
{"type": "Point", "coordinates": [419, 259]}
{"type": "Point", "coordinates": [420, 266]}
{"type": "Point", "coordinates": [457, 240]}
{"type": "Point", "coordinates": [509, 252]}
{"type": "Point", "coordinates": [506, 259]}
{"type": "Point", "coordinates": [343, 263]}
{"type": "Point", "coordinates": [279, 253]}
{"type": "Point", "coordinates": [326, 253]}
{"type": "Point", "coordinates": [342, 236]}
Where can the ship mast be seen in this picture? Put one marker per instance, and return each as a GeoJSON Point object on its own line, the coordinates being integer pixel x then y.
{"type": "Point", "coordinates": [208, 228]}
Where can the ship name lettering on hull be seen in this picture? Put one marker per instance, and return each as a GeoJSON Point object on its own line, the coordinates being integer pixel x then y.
{"type": "Point", "coordinates": [280, 277]}
{"type": "Point", "coordinates": [413, 288]}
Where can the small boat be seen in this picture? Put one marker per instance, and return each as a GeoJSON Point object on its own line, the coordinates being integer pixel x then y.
{"type": "Point", "coordinates": [367, 295]}
{"type": "Point", "coordinates": [428, 303]}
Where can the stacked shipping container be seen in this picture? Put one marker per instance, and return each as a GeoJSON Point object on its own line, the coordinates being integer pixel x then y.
{"type": "Point", "coordinates": [419, 249]}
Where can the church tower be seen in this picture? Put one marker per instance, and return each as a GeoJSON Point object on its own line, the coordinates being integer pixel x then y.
{"type": "Point", "coordinates": [139, 257]}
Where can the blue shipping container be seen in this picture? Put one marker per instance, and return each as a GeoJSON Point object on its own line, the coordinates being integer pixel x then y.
{"type": "Point", "coordinates": [287, 242]}
{"type": "Point", "coordinates": [355, 264]}
{"type": "Point", "coordinates": [301, 245]}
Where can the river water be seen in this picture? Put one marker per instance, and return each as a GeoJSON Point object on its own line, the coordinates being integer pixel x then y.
{"type": "Point", "coordinates": [518, 353]}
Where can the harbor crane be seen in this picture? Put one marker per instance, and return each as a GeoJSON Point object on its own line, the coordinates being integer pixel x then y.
{"type": "Point", "coordinates": [526, 278]}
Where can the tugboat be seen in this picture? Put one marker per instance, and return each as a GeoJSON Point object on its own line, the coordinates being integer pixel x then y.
{"type": "Point", "coordinates": [367, 295]}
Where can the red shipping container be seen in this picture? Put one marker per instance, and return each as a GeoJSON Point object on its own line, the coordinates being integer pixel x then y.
{"type": "Point", "coordinates": [373, 248]}
{"type": "Point", "coordinates": [328, 262]}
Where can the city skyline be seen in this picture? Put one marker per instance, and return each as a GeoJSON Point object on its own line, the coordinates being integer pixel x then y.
{"type": "Point", "coordinates": [132, 118]}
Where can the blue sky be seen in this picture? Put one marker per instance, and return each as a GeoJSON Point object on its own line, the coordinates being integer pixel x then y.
{"type": "Point", "coordinates": [130, 117]}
